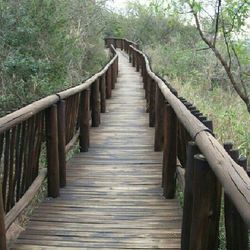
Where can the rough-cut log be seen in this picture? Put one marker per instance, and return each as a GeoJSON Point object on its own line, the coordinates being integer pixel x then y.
{"type": "Point", "coordinates": [159, 114]}
{"type": "Point", "coordinates": [102, 86]}
{"type": "Point", "coordinates": [84, 120]}
{"type": "Point", "coordinates": [233, 178]}
{"type": "Point", "coordinates": [152, 103]}
{"type": "Point", "coordinates": [109, 83]}
{"type": "Point", "coordinates": [23, 114]}
{"type": "Point", "coordinates": [192, 150]}
{"type": "Point", "coordinates": [95, 104]}
{"type": "Point", "coordinates": [206, 207]}
{"type": "Point", "coordinates": [236, 229]}
{"type": "Point", "coordinates": [170, 153]}
{"type": "Point", "coordinates": [62, 142]}
{"type": "Point", "coordinates": [52, 152]}
{"type": "Point", "coordinates": [3, 245]}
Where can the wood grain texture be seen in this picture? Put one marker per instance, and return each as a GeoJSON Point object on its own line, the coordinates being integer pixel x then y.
{"type": "Point", "coordinates": [113, 198]}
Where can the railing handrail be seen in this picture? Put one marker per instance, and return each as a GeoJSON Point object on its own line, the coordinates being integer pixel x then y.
{"type": "Point", "coordinates": [233, 178]}
{"type": "Point", "coordinates": [56, 121]}
{"type": "Point", "coordinates": [20, 115]}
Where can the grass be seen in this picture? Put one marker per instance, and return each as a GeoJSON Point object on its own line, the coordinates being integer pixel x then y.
{"type": "Point", "coordinates": [230, 118]}
{"type": "Point", "coordinates": [226, 110]}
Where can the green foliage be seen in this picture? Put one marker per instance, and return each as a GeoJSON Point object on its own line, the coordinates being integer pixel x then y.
{"type": "Point", "coordinates": [231, 121]}
{"type": "Point", "coordinates": [46, 46]}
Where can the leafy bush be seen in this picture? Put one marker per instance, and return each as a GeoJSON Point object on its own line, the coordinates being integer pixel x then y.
{"type": "Point", "coordinates": [46, 46]}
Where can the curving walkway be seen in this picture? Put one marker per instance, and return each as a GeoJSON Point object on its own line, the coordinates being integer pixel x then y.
{"type": "Point", "coordinates": [113, 198]}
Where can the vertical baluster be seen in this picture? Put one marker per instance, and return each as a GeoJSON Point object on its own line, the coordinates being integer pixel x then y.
{"type": "Point", "coordinates": [52, 151]}
{"type": "Point", "coordinates": [112, 75]}
{"type": "Point", "coordinates": [10, 197]}
{"type": "Point", "coordinates": [62, 142]}
{"type": "Point", "coordinates": [3, 245]}
{"type": "Point", "coordinates": [2, 213]}
{"type": "Point", "coordinates": [236, 229]}
{"type": "Point", "coordinates": [206, 207]}
{"type": "Point", "coordinates": [20, 162]}
{"type": "Point", "coordinates": [6, 168]}
{"type": "Point", "coordinates": [108, 83]}
{"type": "Point", "coordinates": [159, 114]}
{"type": "Point", "coordinates": [137, 56]}
{"type": "Point", "coordinates": [152, 103]}
{"type": "Point", "coordinates": [170, 152]}
{"type": "Point", "coordinates": [84, 120]}
{"type": "Point", "coordinates": [95, 104]}
{"type": "Point", "coordinates": [103, 93]}
{"type": "Point", "coordinates": [192, 150]}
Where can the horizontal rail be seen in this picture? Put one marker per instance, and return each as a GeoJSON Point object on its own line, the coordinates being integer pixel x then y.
{"type": "Point", "coordinates": [12, 215]}
{"type": "Point", "coordinates": [233, 178]}
{"type": "Point", "coordinates": [193, 157]}
{"type": "Point", "coordinates": [79, 88]}
{"type": "Point", "coordinates": [28, 111]}
{"type": "Point", "coordinates": [56, 122]}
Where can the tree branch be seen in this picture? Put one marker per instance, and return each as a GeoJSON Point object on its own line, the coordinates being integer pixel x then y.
{"type": "Point", "coordinates": [240, 70]}
{"type": "Point", "coordinates": [217, 22]}
{"type": "Point", "coordinates": [222, 60]}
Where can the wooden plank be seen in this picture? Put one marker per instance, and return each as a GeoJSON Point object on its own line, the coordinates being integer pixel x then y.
{"type": "Point", "coordinates": [113, 198]}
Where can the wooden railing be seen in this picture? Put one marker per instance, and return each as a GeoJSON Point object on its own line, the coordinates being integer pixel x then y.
{"type": "Point", "coordinates": [203, 166]}
{"type": "Point", "coordinates": [54, 123]}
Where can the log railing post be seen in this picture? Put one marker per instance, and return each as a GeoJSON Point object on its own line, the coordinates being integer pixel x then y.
{"type": "Point", "coordinates": [192, 150]}
{"type": "Point", "coordinates": [84, 120]}
{"type": "Point", "coordinates": [52, 151]}
{"type": "Point", "coordinates": [170, 152]}
{"type": "Point", "coordinates": [236, 229]}
{"type": "Point", "coordinates": [102, 86]}
{"type": "Point", "coordinates": [61, 142]}
{"type": "Point", "coordinates": [3, 245]}
{"type": "Point", "coordinates": [116, 69]}
{"type": "Point", "coordinates": [148, 86]}
{"type": "Point", "coordinates": [137, 61]}
{"type": "Point", "coordinates": [152, 103]}
{"type": "Point", "coordinates": [109, 83]}
{"type": "Point", "coordinates": [95, 104]}
{"type": "Point", "coordinates": [112, 75]}
{"type": "Point", "coordinates": [159, 113]}
{"type": "Point", "coordinates": [242, 238]}
{"type": "Point", "coordinates": [206, 207]}
{"type": "Point", "coordinates": [133, 58]}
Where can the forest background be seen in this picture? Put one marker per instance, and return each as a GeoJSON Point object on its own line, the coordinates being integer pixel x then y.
{"type": "Point", "coordinates": [48, 45]}
{"type": "Point", "coordinates": [201, 47]}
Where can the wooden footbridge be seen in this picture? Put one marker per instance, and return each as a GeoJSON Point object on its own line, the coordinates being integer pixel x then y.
{"type": "Point", "coordinates": [119, 191]}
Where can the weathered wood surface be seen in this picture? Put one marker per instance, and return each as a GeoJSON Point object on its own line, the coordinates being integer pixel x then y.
{"type": "Point", "coordinates": [113, 198]}
{"type": "Point", "coordinates": [233, 178]}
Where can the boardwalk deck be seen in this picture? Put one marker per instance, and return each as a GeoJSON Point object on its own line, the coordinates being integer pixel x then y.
{"type": "Point", "coordinates": [113, 198]}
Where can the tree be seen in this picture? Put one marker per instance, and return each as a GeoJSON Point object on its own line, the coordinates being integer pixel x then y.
{"type": "Point", "coordinates": [47, 46]}
{"type": "Point", "coordinates": [221, 25]}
